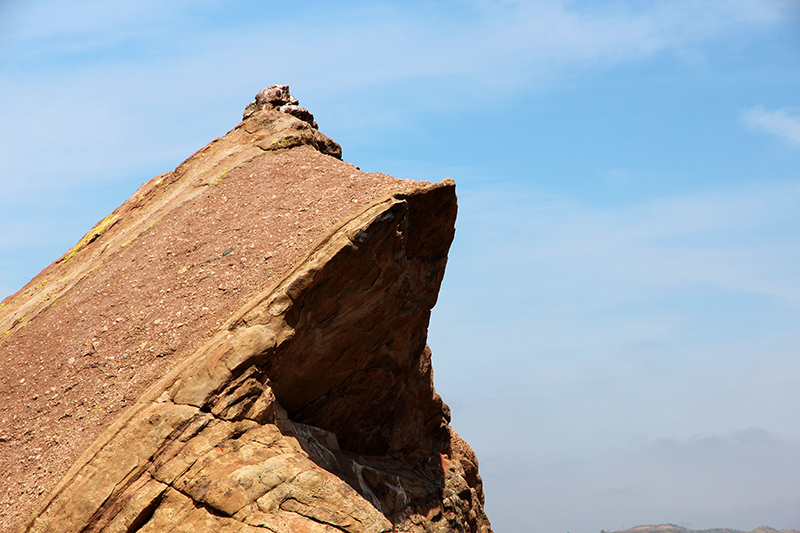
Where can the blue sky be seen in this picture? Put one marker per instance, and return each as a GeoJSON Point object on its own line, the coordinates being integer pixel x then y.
{"type": "Point", "coordinates": [619, 327]}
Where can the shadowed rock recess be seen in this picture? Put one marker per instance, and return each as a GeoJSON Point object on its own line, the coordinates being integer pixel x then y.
{"type": "Point", "coordinates": [241, 346]}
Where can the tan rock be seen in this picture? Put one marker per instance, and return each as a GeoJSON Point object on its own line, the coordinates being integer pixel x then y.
{"type": "Point", "coordinates": [308, 404]}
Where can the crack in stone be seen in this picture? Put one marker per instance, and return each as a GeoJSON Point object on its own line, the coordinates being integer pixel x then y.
{"type": "Point", "coordinates": [314, 519]}
{"type": "Point", "coordinates": [146, 514]}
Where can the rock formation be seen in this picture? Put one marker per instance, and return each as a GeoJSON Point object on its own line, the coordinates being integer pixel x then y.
{"type": "Point", "coordinates": [240, 346]}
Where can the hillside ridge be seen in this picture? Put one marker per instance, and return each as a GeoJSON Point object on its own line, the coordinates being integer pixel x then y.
{"type": "Point", "coordinates": [672, 528]}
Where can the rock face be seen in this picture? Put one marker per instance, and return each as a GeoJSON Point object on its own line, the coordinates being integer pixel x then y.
{"type": "Point", "coordinates": [241, 346]}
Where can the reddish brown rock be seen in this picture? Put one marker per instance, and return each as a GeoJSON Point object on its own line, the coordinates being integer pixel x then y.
{"type": "Point", "coordinates": [240, 347]}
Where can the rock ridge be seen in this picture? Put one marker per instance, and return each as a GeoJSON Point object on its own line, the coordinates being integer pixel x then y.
{"type": "Point", "coordinates": [310, 405]}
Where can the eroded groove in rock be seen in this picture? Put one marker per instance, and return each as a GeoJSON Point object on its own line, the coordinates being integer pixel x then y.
{"type": "Point", "coordinates": [309, 403]}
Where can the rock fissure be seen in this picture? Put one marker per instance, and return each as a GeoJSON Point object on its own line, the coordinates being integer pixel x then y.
{"type": "Point", "coordinates": [144, 515]}
{"type": "Point", "coordinates": [320, 521]}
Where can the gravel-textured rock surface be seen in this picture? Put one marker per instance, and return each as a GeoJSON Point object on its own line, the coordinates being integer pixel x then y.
{"type": "Point", "coordinates": [117, 360]}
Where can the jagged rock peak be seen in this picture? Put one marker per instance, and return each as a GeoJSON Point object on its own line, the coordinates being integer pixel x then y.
{"type": "Point", "coordinates": [278, 97]}
{"type": "Point", "coordinates": [240, 347]}
{"type": "Point", "coordinates": [275, 121]}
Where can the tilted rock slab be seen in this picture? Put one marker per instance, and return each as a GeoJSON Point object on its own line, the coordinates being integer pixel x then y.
{"type": "Point", "coordinates": [310, 406]}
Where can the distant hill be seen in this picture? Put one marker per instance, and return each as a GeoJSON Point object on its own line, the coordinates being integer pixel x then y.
{"type": "Point", "coordinates": [671, 528]}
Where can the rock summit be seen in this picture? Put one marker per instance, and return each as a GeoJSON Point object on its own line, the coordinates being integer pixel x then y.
{"type": "Point", "coordinates": [240, 347]}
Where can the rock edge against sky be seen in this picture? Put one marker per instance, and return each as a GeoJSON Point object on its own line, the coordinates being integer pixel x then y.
{"type": "Point", "coordinates": [240, 346]}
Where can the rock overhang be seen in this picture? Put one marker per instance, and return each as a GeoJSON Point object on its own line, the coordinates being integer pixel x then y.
{"type": "Point", "coordinates": [342, 324]}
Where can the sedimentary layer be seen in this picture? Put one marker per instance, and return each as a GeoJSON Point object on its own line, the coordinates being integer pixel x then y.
{"type": "Point", "coordinates": [241, 346]}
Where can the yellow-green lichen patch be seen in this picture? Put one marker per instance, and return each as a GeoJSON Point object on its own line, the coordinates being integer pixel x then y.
{"type": "Point", "coordinates": [23, 318]}
{"type": "Point", "coordinates": [287, 142]}
{"type": "Point", "coordinates": [225, 172]}
{"type": "Point", "coordinates": [90, 237]}
{"type": "Point", "coordinates": [129, 241]}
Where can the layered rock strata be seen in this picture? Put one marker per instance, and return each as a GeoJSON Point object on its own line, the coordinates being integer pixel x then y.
{"type": "Point", "coordinates": [241, 346]}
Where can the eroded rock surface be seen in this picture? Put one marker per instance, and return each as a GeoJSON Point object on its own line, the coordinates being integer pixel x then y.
{"type": "Point", "coordinates": [303, 401]}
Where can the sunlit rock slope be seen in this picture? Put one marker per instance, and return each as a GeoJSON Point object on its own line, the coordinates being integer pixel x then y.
{"type": "Point", "coordinates": [241, 346]}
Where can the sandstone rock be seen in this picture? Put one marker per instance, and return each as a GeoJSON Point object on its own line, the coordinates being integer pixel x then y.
{"type": "Point", "coordinates": [278, 97]}
{"type": "Point", "coordinates": [307, 403]}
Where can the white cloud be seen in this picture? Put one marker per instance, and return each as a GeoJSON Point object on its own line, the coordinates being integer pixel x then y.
{"type": "Point", "coordinates": [563, 32]}
{"type": "Point", "coordinates": [783, 123]}
{"type": "Point", "coordinates": [494, 44]}
{"type": "Point", "coordinates": [742, 242]}
{"type": "Point", "coordinates": [107, 79]}
{"type": "Point", "coordinates": [495, 48]}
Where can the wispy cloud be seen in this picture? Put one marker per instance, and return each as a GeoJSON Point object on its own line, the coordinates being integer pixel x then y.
{"type": "Point", "coordinates": [741, 241]}
{"type": "Point", "coordinates": [783, 123]}
{"type": "Point", "coordinates": [70, 66]}
{"type": "Point", "coordinates": [377, 42]}
{"type": "Point", "coordinates": [681, 302]}
{"type": "Point", "coordinates": [562, 32]}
